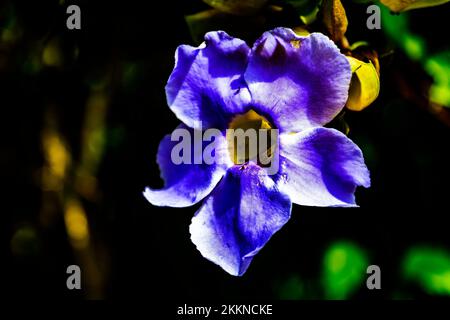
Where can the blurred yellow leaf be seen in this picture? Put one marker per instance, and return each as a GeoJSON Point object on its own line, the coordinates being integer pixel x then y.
{"type": "Point", "coordinates": [52, 55]}
{"type": "Point", "coordinates": [76, 223]}
{"type": "Point", "coordinates": [364, 86]}
{"type": "Point", "coordinates": [404, 5]}
{"type": "Point", "coordinates": [301, 31]}
{"type": "Point", "coordinates": [58, 160]}
{"type": "Point", "coordinates": [238, 7]}
{"type": "Point", "coordinates": [335, 19]}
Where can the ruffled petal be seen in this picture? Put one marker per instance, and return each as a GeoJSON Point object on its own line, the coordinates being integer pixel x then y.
{"type": "Point", "coordinates": [321, 167]}
{"type": "Point", "coordinates": [239, 217]}
{"type": "Point", "coordinates": [188, 182]}
{"type": "Point", "coordinates": [300, 82]}
{"type": "Point", "coordinates": [207, 84]}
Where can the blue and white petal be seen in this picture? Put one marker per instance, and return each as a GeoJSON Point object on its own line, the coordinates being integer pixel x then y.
{"type": "Point", "coordinates": [239, 217]}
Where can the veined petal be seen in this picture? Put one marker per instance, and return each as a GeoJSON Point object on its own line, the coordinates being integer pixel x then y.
{"type": "Point", "coordinates": [300, 82]}
{"type": "Point", "coordinates": [188, 183]}
{"type": "Point", "coordinates": [239, 217]}
{"type": "Point", "coordinates": [321, 167]}
{"type": "Point", "coordinates": [207, 82]}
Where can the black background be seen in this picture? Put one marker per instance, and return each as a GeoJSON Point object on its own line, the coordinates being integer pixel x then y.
{"type": "Point", "coordinates": [149, 249]}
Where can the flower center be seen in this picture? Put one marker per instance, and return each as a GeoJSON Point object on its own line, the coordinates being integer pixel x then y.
{"type": "Point", "coordinates": [251, 136]}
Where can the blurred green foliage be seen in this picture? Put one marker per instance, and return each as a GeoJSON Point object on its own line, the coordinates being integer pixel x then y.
{"type": "Point", "coordinates": [344, 269]}
{"type": "Point", "coordinates": [430, 268]}
{"type": "Point", "coordinates": [293, 288]}
{"type": "Point", "coordinates": [397, 28]}
{"type": "Point", "coordinates": [438, 66]}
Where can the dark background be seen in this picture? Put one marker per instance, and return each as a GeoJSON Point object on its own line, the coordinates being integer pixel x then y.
{"type": "Point", "coordinates": [137, 250]}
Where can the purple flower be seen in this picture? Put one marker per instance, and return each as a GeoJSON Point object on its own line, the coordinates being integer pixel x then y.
{"type": "Point", "coordinates": [294, 84]}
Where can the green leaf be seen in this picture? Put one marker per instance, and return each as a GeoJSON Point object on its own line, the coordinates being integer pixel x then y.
{"type": "Point", "coordinates": [404, 5]}
{"type": "Point", "coordinates": [344, 270]}
{"type": "Point", "coordinates": [430, 268]}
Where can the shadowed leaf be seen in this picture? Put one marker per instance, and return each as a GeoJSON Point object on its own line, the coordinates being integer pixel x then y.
{"type": "Point", "coordinates": [335, 19]}
{"type": "Point", "coordinates": [238, 7]}
{"type": "Point", "coordinates": [211, 20]}
{"type": "Point", "coordinates": [303, 7]}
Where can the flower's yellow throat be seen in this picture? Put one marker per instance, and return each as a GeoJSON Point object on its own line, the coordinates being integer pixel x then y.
{"type": "Point", "coordinates": [250, 136]}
